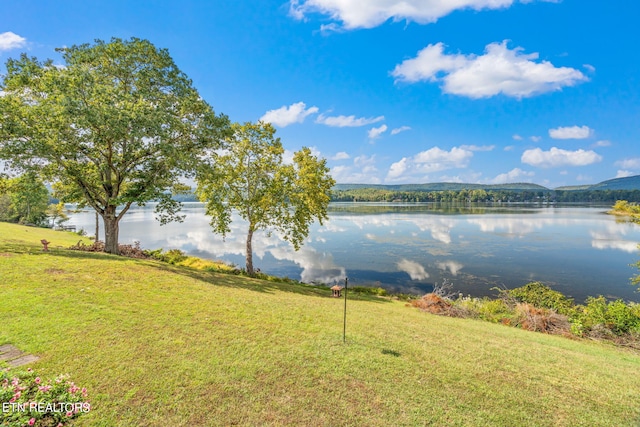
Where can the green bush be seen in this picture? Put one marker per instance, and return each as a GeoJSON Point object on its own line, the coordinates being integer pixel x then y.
{"type": "Point", "coordinates": [369, 291]}
{"type": "Point", "coordinates": [542, 296]}
{"type": "Point", "coordinates": [172, 256]}
{"type": "Point", "coordinates": [29, 400]}
{"type": "Point", "coordinates": [616, 316]}
{"type": "Point", "coordinates": [492, 310]}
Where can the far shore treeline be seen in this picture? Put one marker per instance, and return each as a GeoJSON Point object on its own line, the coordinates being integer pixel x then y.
{"type": "Point", "coordinates": [378, 194]}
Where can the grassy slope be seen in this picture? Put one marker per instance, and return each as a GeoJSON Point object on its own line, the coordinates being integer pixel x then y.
{"type": "Point", "coordinates": [159, 345]}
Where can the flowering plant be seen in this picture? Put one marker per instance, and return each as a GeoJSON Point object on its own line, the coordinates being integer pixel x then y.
{"type": "Point", "coordinates": [28, 400]}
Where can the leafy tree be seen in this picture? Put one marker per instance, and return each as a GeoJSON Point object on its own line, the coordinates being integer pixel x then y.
{"type": "Point", "coordinates": [57, 213]}
{"type": "Point", "coordinates": [250, 177]}
{"type": "Point", "coordinates": [118, 124]}
{"type": "Point", "coordinates": [24, 199]}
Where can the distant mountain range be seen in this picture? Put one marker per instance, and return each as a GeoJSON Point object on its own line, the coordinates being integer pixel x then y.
{"type": "Point", "coordinates": [629, 183]}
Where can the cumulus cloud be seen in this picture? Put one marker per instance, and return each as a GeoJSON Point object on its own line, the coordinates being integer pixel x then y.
{"type": "Point", "coordinates": [375, 133]}
{"type": "Point", "coordinates": [363, 170]}
{"type": "Point", "coordinates": [633, 163]}
{"type": "Point", "coordinates": [341, 155]}
{"type": "Point", "coordinates": [499, 70]}
{"type": "Point", "coordinates": [285, 116]}
{"type": "Point", "coordinates": [429, 161]}
{"type": "Point", "coordinates": [400, 129]}
{"type": "Point", "coordinates": [452, 266]}
{"type": "Point", "coordinates": [413, 269]}
{"type": "Point", "coordinates": [517, 137]}
{"type": "Point", "coordinates": [354, 14]}
{"type": "Point", "coordinates": [9, 40]}
{"type": "Point", "coordinates": [571, 132]}
{"type": "Point", "coordinates": [625, 174]}
{"type": "Point", "coordinates": [557, 157]}
{"type": "Point", "coordinates": [514, 175]}
{"type": "Point", "coordinates": [347, 121]}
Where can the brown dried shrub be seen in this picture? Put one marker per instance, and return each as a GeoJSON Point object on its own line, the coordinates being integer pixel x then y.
{"type": "Point", "coordinates": [542, 320]}
{"type": "Point", "coordinates": [130, 251]}
{"type": "Point", "coordinates": [432, 303]}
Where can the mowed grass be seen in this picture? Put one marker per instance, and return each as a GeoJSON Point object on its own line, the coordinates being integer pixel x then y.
{"type": "Point", "coordinates": [158, 345]}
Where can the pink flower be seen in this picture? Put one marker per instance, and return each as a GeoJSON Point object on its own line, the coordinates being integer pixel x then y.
{"type": "Point", "coordinates": [70, 414]}
{"type": "Point", "coordinates": [32, 421]}
{"type": "Point", "coordinates": [38, 380]}
{"type": "Point", "coordinates": [84, 391]}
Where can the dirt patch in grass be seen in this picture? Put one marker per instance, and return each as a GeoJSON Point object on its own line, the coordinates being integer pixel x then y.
{"type": "Point", "coordinates": [5, 254]}
{"type": "Point", "coordinates": [54, 271]}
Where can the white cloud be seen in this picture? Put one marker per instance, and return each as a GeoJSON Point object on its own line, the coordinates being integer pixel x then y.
{"type": "Point", "coordinates": [535, 138]}
{"type": "Point", "coordinates": [362, 171]}
{"type": "Point", "coordinates": [514, 175]}
{"type": "Point", "coordinates": [285, 116]}
{"type": "Point", "coordinates": [557, 157]}
{"type": "Point", "coordinates": [368, 14]}
{"type": "Point", "coordinates": [602, 143]}
{"type": "Point", "coordinates": [625, 174]}
{"type": "Point", "coordinates": [633, 163]}
{"type": "Point", "coordinates": [509, 148]}
{"type": "Point", "coordinates": [452, 266]}
{"type": "Point", "coordinates": [499, 70]}
{"type": "Point", "coordinates": [413, 269]}
{"type": "Point", "coordinates": [400, 129]}
{"type": "Point", "coordinates": [347, 121]}
{"type": "Point", "coordinates": [9, 40]}
{"type": "Point", "coordinates": [341, 155]}
{"type": "Point", "coordinates": [429, 161]}
{"type": "Point", "coordinates": [589, 68]}
{"type": "Point", "coordinates": [478, 147]}
{"type": "Point", "coordinates": [571, 132]}
{"type": "Point", "coordinates": [517, 137]}
{"type": "Point", "coordinates": [375, 133]}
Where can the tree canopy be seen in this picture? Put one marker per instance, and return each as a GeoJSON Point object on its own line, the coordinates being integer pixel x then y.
{"type": "Point", "coordinates": [23, 199]}
{"type": "Point", "coordinates": [250, 177]}
{"type": "Point", "coordinates": [117, 123]}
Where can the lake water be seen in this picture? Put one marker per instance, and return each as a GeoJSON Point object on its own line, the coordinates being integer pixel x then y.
{"type": "Point", "coordinates": [579, 251]}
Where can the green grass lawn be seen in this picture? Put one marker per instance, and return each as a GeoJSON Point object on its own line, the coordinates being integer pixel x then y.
{"type": "Point", "coordinates": [159, 345]}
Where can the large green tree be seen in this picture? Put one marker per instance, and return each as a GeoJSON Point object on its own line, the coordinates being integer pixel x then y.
{"type": "Point", "coordinates": [117, 123]}
{"type": "Point", "coordinates": [250, 177]}
{"type": "Point", "coordinates": [24, 199]}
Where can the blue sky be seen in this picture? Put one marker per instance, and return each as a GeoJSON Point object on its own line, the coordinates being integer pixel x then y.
{"type": "Point", "coordinates": [414, 91]}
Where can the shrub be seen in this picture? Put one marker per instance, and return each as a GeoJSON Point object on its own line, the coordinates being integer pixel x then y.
{"type": "Point", "coordinates": [600, 317]}
{"type": "Point", "coordinates": [130, 251]}
{"type": "Point", "coordinates": [496, 311]}
{"type": "Point", "coordinates": [369, 291]}
{"type": "Point", "coordinates": [541, 319]}
{"type": "Point", "coordinates": [541, 296]}
{"type": "Point", "coordinates": [432, 303]}
{"type": "Point", "coordinates": [31, 401]}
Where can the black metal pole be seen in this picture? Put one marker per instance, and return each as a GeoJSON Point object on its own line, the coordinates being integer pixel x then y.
{"type": "Point", "coordinates": [344, 329]}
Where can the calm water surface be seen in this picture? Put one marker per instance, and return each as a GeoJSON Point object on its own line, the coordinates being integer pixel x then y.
{"type": "Point", "coordinates": [579, 251]}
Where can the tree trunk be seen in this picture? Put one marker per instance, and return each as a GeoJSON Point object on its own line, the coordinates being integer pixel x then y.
{"type": "Point", "coordinates": [250, 252]}
{"type": "Point", "coordinates": [111, 230]}
{"type": "Point", "coordinates": [97, 239]}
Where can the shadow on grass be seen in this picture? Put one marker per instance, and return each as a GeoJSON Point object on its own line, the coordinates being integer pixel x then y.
{"type": "Point", "coordinates": [209, 277]}
{"type": "Point", "coordinates": [258, 285]}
